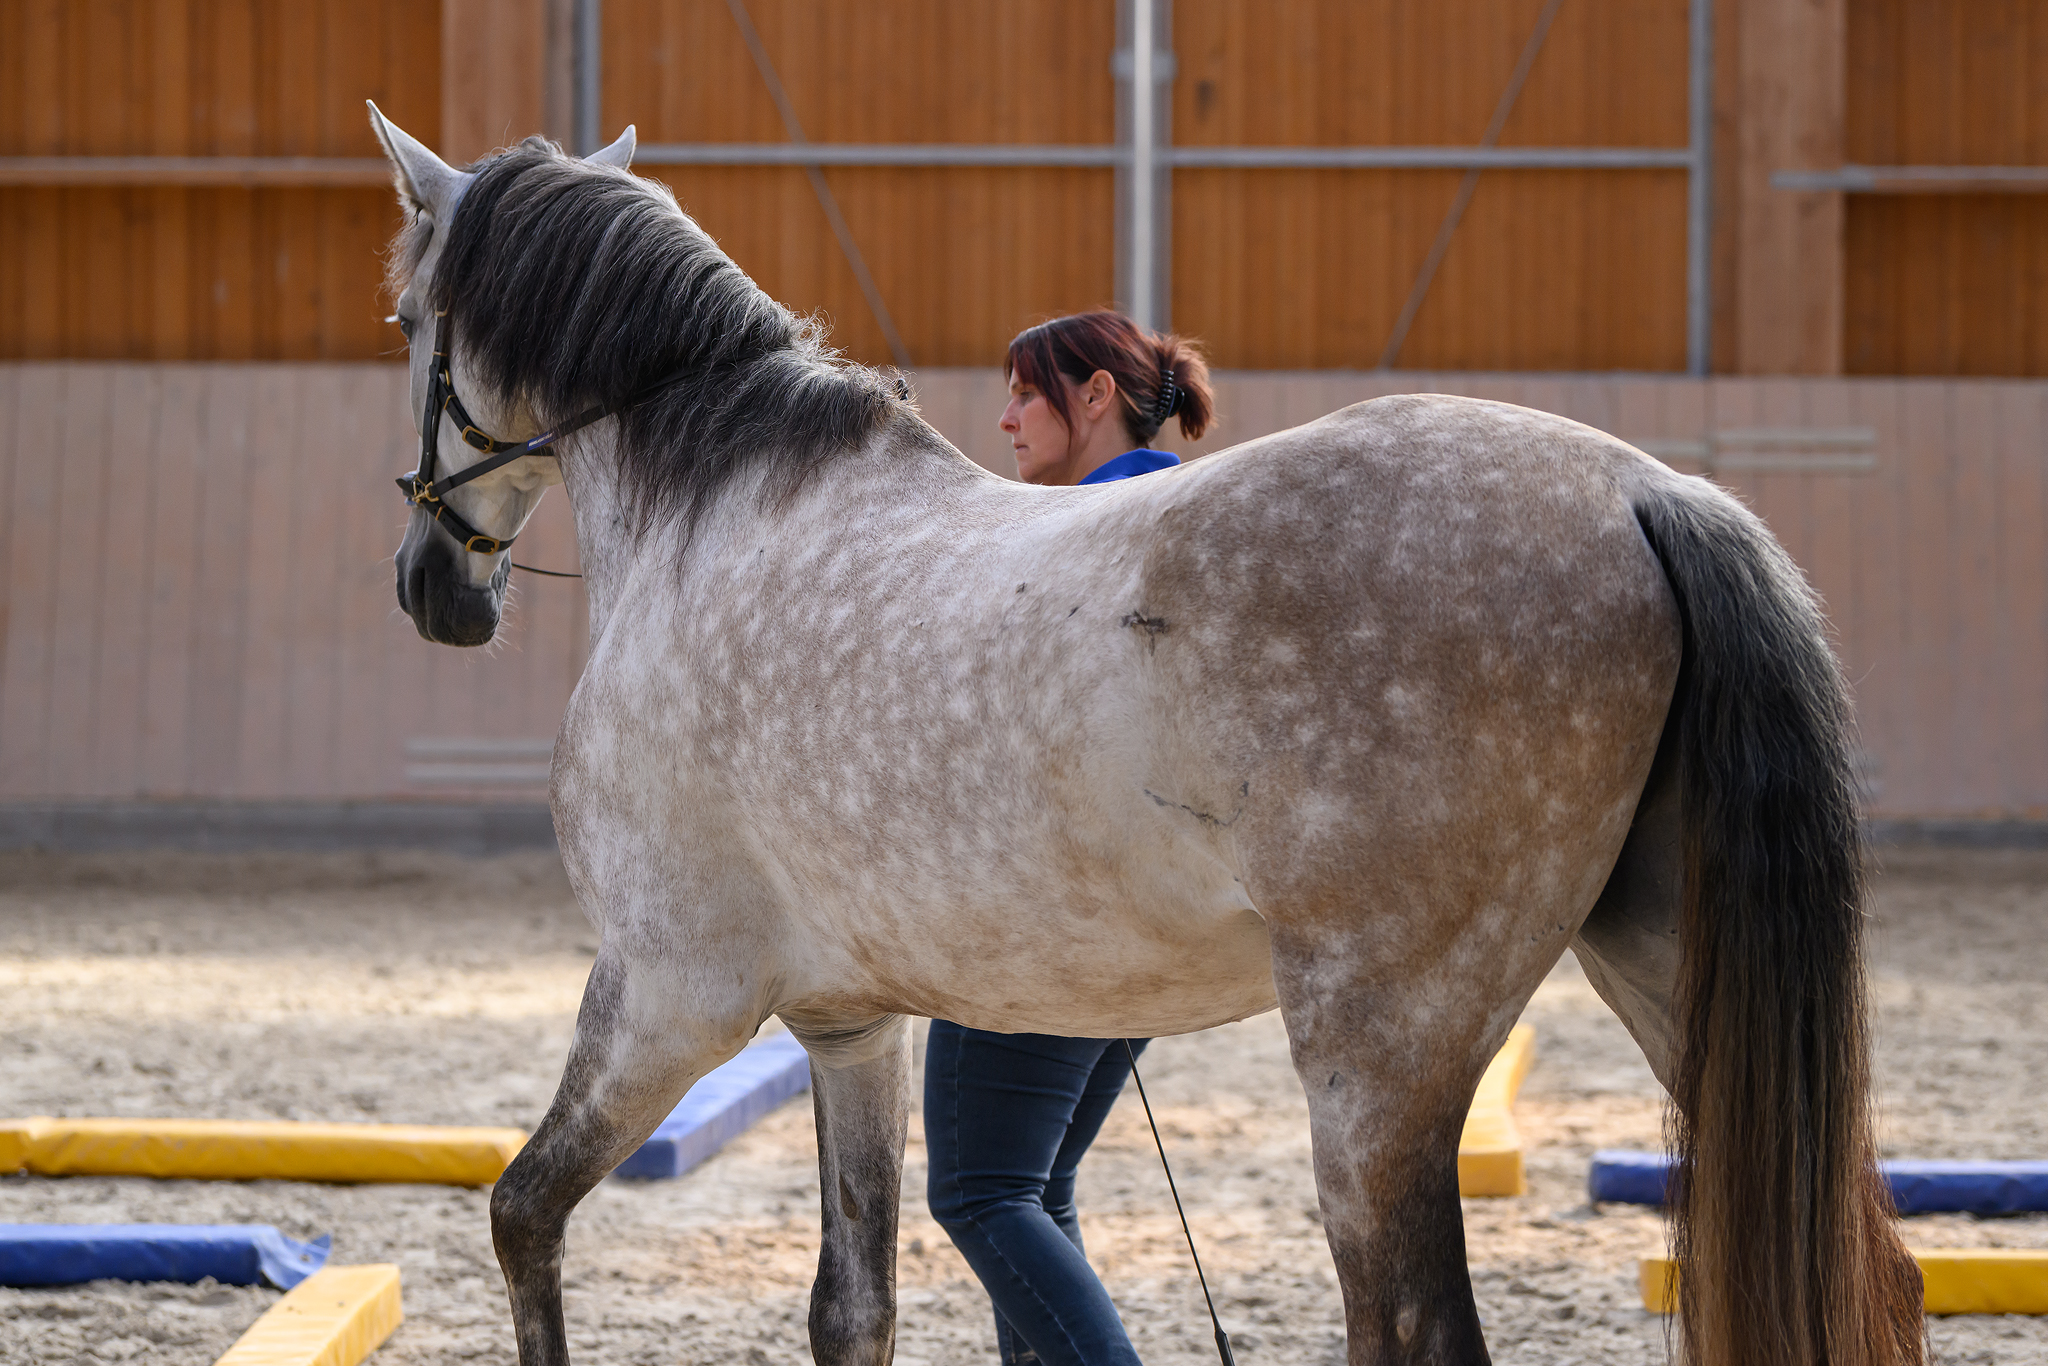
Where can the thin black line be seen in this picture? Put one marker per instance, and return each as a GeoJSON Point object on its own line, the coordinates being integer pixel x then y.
{"type": "Point", "coordinates": [1222, 1338]}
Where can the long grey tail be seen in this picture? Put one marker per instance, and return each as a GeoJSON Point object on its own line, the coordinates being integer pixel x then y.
{"type": "Point", "coordinates": [1785, 1238]}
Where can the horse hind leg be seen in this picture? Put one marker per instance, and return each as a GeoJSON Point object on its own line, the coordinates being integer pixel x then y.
{"type": "Point", "coordinates": [860, 1089]}
{"type": "Point", "coordinates": [1629, 944]}
{"type": "Point", "coordinates": [636, 1052]}
{"type": "Point", "coordinates": [1389, 1065]}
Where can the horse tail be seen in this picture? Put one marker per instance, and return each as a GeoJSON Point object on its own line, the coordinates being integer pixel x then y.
{"type": "Point", "coordinates": [1783, 1231]}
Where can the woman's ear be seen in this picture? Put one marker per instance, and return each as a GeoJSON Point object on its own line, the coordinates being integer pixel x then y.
{"type": "Point", "coordinates": [1098, 393]}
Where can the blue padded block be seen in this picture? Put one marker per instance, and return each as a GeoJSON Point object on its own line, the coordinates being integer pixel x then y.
{"type": "Point", "coordinates": [1628, 1178]}
{"type": "Point", "coordinates": [1918, 1187]}
{"type": "Point", "coordinates": [233, 1254]}
{"type": "Point", "coordinates": [723, 1104]}
{"type": "Point", "coordinates": [1927, 1187]}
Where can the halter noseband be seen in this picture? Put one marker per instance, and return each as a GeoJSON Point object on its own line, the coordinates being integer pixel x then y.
{"type": "Point", "coordinates": [423, 490]}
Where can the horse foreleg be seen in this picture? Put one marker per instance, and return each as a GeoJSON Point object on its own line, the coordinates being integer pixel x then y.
{"type": "Point", "coordinates": [1389, 1078]}
{"type": "Point", "coordinates": [638, 1048]}
{"type": "Point", "coordinates": [860, 1085]}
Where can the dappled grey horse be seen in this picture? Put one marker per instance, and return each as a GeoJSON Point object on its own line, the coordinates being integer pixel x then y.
{"type": "Point", "coordinates": [1368, 720]}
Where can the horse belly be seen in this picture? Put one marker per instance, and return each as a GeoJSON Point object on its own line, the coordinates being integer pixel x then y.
{"type": "Point", "coordinates": [1147, 944]}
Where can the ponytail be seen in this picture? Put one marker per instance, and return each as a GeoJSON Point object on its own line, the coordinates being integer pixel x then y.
{"type": "Point", "coordinates": [1158, 376]}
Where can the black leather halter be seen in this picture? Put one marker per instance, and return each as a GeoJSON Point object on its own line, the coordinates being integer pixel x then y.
{"type": "Point", "coordinates": [423, 490]}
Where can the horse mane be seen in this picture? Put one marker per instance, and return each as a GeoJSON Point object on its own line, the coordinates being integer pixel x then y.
{"type": "Point", "coordinates": [575, 285]}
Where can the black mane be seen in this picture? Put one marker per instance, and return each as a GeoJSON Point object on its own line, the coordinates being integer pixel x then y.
{"type": "Point", "coordinates": [575, 285]}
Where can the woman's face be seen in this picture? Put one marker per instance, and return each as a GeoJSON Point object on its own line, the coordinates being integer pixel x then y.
{"type": "Point", "coordinates": [1038, 438]}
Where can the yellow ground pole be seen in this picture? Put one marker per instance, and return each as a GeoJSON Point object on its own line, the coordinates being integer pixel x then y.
{"type": "Point", "coordinates": [253, 1150]}
{"type": "Point", "coordinates": [1959, 1280]}
{"type": "Point", "coordinates": [1490, 1151]}
{"type": "Point", "coordinates": [335, 1317]}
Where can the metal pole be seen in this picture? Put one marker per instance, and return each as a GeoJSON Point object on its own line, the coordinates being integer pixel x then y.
{"type": "Point", "coordinates": [1144, 167]}
{"type": "Point", "coordinates": [586, 135]}
{"type": "Point", "coordinates": [1699, 193]}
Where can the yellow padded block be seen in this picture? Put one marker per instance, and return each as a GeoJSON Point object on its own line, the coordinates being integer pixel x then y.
{"type": "Point", "coordinates": [256, 1150]}
{"type": "Point", "coordinates": [335, 1317]}
{"type": "Point", "coordinates": [1489, 1150]}
{"type": "Point", "coordinates": [1960, 1280]}
{"type": "Point", "coordinates": [1984, 1280]}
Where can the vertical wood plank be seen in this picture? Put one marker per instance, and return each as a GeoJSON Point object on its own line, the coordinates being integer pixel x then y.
{"type": "Point", "coordinates": [173, 584]}
{"type": "Point", "coordinates": [12, 420]}
{"type": "Point", "coordinates": [81, 580]}
{"type": "Point", "coordinates": [493, 76]}
{"type": "Point", "coordinates": [1831, 529]}
{"type": "Point", "coordinates": [1980, 732]}
{"type": "Point", "coordinates": [1929, 642]}
{"type": "Point", "coordinates": [33, 552]}
{"type": "Point", "coordinates": [369, 621]}
{"type": "Point", "coordinates": [1788, 286]}
{"type": "Point", "coordinates": [326, 427]}
{"type": "Point", "coordinates": [1884, 682]}
{"type": "Point", "coordinates": [271, 609]}
{"type": "Point", "coordinates": [109, 767]}
{"type": "Point", "coordinates": [2020, 413]}
{"type": "Point", "coordinates": [221, 583]}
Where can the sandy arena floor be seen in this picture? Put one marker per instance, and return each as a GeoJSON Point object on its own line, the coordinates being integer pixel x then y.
{"type": "Point", "coordinates": [397, 988]}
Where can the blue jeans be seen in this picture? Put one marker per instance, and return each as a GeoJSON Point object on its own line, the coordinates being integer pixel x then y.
{"type": "Point", "coordinates": [1006, 1120]}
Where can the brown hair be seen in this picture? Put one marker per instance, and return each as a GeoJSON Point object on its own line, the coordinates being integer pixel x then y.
{"type": "Point", "coordinates": [1140, 362]}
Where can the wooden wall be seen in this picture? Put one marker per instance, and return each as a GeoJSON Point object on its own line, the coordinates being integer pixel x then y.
{"type": "Point", "coordinates": [963, 257]}
{"type": "Point", "coordinates": [198, 592]}
{"type": "Point", "coordinates": [1549, 269]}
{"type": "Point", "coordinates": [1275, 268]}
{"type": "Point", "coordinates": [1947, 284]}
{"type": "Point", "coordinates": [178, 273]}
{"type": "Point", "coordinates": [197, 597]}
{"type": "Point", "coordinates": [1566, 270]}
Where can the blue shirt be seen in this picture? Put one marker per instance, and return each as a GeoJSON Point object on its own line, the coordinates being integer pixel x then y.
{"type": "Point", "coordinates": [1131, 464]}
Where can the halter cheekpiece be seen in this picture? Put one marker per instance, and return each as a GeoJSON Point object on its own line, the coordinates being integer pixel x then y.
{"type": "Point", "coordinates": [423, 490]}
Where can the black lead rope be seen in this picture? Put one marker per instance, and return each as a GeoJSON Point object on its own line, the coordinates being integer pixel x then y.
{"type": "Point", "coordinates": [551, 573]}
{"type": "Point", "coordinates": [1222, 1338]}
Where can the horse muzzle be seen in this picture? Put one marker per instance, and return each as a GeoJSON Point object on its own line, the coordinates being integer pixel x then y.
{"type": "Point", "coordinates": [444, 606]}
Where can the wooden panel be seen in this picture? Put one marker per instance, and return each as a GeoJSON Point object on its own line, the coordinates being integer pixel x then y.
{"type": "Point", "coordinates": [494, 80]}
{"type": "Point", "coordinates": [963, 258]}
{"type": "Point", "coordinates": [32, 563]}
{"type": "Point", "coordinates": [176, 592]}
{"type": "Point", "coordinates": [256, 650]}
{"type": "Point", "coordinates": [1786, 115]}
{"type": "Point", "coordinates": [133, 415]}
{"type": "Point", "coordinates": [1397, 72]}
{"type": "Point", "coordinates": [167, 273]}
{"type": "Point", "coordinates": [1549, 269]}
{"type": "Point", "coordinates": [1947, 285]}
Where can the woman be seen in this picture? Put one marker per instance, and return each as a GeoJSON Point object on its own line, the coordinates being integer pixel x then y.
{"type": "Point", "coordinates": [1008, 1116]}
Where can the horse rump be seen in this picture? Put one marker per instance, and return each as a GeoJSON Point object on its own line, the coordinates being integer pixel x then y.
{"type": "Point", "coordinates": [1782, 1229]}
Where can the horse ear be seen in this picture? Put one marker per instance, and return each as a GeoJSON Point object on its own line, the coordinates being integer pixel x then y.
{"type": "Point", "coordinates": [619, 154]}
{"type": "Point", "coordinates": [423, 178]}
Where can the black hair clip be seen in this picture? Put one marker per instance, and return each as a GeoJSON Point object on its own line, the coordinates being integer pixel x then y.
{"type": "Point", "coordinates": [1170, 396]}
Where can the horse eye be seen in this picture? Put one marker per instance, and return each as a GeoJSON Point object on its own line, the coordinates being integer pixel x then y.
{"type": "Point", "coordinates": [405, 325]}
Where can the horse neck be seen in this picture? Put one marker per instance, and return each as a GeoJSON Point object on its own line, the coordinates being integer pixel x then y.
{"type": "Point", "coordinates": [604, 545]}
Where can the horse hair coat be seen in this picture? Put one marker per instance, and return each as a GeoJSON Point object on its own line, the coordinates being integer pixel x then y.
{"type": "Point", "coordinates": [1369, 720]}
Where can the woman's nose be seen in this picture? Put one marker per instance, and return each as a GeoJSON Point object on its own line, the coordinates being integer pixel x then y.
{"type": "Point", "coordinates": [1008, 421]}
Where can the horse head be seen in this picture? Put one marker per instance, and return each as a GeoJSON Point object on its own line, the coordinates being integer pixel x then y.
{"type": "Point", "coordinates": [476, 483]}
